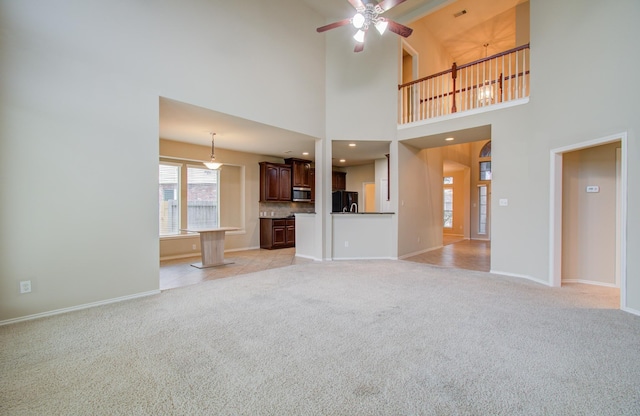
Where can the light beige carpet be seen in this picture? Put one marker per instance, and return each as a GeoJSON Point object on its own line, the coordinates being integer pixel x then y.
{"type": "Point", "coordinates": [332, 338]}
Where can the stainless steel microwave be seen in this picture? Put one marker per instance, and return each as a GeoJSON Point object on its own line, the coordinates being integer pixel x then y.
{"type": "Point", "coordinates": [301, 194]}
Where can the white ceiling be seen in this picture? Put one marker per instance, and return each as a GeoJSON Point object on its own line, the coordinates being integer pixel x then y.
{"type": "Point", "coordinates": [486, 21]}
{"type": "Point", "coordinates": [192, 124]}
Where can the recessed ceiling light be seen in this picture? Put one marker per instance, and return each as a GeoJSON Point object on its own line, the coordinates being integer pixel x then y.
{"type": "Point", "coordinates": [342, 160]}
{"type": "Point", "coordinates": [305, 153]}
{"type": "Point", "coordinates": [449, 139]}
{"type": "Point", "coordinates": [352, 145]}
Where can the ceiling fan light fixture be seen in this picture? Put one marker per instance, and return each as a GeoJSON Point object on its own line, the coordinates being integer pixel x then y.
{"type": "Point", "coordinates": [358, 20]}
{"type": "Point", "coordinates": [359, 36]}
{"type": "Point", "coordinates": [381, 25]}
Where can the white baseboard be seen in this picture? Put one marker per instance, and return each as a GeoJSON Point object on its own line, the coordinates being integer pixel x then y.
{"type": "Point", "coordinates": [303, 256]}
{"type": "Point", "coordinates": [590, 282]}
{"type": "Point", "coordinates": [520, 276]}
{"type": "Point", "coordinates": [630, 310]}
{"type": "Point", "coordinates": [416, 253]}
{"type": "Point", "coordinates": [242, 249]}
{"type": "Point", "coordinates": [197, 253]}
{"type": "Point", "coordinates": [79, 307]}
{"type": "Point", "coordinates": [180, 256]}
{"type": "Point", "coordinates": [363, 258]}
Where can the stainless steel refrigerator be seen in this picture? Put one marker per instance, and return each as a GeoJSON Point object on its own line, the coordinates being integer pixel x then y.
{"type": "Point", "coordinates": [345, 201]}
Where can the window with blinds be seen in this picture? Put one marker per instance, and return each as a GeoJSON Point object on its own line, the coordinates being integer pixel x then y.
{"type": "Point", "coordinates": [202, 198]}
{"type": "Point", "coordinates": [169, 202]}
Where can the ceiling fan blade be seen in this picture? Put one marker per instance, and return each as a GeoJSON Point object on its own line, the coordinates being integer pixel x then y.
{"type": "Point", "coordinates": [333, 25]}
{"type": "Point", "coordinates": [357, 4]}
{"type": "Point", "coordinates": [387, 4]}
{"type": "Point", "coordinates": [401, 30]}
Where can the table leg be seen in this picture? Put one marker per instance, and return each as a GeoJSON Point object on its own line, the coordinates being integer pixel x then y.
{"type": "Point", "coordinates": [212, 249]}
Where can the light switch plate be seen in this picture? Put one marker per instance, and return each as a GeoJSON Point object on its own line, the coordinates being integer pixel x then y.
{"type": "Point", "coordinates": [503, 202]}
{"type": "Point", "coordinates": [593, 189]}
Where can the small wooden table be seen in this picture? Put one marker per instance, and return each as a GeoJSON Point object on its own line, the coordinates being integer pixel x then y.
{"type": "Point", "coordinates": [212, 246]}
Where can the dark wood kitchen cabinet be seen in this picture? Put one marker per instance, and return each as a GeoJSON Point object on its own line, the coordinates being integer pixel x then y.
{"type": "Point", "coordinates": [275, 182]}
{"type": "Point", "coordinates": [338, 181]}
{"type": "Point", "coordinates": [277, 233]}
{"type": "Point", "coordinates": [312, 180]}
{"type": "Point", "coordinates": [301, 172]}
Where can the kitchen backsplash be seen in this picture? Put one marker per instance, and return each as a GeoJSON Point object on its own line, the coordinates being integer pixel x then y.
{"type": "Point", "coordinates": [284, 209]}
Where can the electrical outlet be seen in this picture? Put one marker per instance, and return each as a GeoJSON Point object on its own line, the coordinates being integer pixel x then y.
{"type": "Point", "coordinates": [25, 286]}
{"type": "Point", "coordinates": [346, 244]}
{"type": "Point", "coordinates": [193, 247]}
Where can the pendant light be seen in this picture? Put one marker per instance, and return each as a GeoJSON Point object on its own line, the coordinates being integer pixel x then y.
{"type": "Point", "coordinates": [213, 164]}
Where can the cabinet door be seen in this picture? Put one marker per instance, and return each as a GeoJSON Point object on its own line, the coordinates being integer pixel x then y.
{"type": "Point", "coordinates": [301, 174]}
{"type": "Point", "coordinates": [279, 235]}
{"type": "Point", "coordinates": [291, 235]}
{"type": "Point", "coordinates": [272, 183]}
{"type": "Point", "coordinates": [285, 183]}
{"type": "Point", "coordinates": [338, 181]}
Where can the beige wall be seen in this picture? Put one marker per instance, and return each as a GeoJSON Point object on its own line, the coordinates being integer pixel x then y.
{"type": "Point", "coordinates": [589, 219]}
{"type": "Point", "coordinates": [76, 104]}
{"type": "Point", "coordinates": [87, 77]}
{"type": "Point", "coordinates": [524, 136]}
{"type": "Point", "coordinates": [237, 209]}
{"type": "Point", "coordinates": [419, 208]}
{"type": "Point", "coordinates": [358, 175]}
{"type": "Point", "coordinates": [460, 202]}
{"type": "Point", "coordinates": [432, 56]}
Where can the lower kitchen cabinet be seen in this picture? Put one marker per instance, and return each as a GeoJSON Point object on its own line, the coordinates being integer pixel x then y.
{"type": "Point", "coordinates": [277, 233]}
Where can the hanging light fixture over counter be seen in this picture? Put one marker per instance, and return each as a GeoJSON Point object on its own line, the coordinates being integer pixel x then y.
{"type": "Point", "coordinates": [213, 164]}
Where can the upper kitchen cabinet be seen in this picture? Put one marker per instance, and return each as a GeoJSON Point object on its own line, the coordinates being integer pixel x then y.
{"type": "Point", "coordinates": [275, 182]}
{"type": "Point", "coordinates": [301, 172]}
{"type": "Point", "coordinates": [338, 181]}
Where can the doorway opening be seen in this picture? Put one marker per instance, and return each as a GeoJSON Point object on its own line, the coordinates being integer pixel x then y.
{"type": "Point", "coordinates": [588, 214]}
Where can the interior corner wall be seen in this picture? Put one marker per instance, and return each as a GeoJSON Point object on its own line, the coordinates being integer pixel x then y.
{"type": "Point", "coordinates": [432, 56]}
{"type": "Point", "coordinates": [362, 88]}
{"type": "Point", "coordinates": [419, 199]}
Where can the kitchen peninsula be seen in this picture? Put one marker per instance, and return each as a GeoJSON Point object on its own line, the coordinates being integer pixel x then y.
{"type": "Point", "coordinates": [363, 235]}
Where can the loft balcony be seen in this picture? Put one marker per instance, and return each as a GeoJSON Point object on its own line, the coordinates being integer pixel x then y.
{"type": "Point", "coordinates": [485, 84]}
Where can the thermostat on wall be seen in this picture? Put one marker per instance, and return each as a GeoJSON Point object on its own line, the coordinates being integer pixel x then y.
{"type": "Point", "coordinates": [593, 189]}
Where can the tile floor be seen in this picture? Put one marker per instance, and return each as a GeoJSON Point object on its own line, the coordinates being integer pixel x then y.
{"type": "Point", "coordinates": [457, 252]}
{"type": "Point", "coordinates": [177, 273]}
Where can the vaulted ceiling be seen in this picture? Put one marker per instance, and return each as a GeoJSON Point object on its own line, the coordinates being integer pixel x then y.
{"type": "Point", "coordinates": [483, 22]}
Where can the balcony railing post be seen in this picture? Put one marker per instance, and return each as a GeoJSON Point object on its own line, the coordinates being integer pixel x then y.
{"type": "Point", "coordinates": [454, 75]}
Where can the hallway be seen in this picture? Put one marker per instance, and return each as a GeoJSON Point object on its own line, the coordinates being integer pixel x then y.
{"type": "Point", "coordinates": [460, 254]}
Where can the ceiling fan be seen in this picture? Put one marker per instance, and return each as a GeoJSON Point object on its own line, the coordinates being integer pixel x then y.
{"type": "Point", "coordinates": [368, 14]}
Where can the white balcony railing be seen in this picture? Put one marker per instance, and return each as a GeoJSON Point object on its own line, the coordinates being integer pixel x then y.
{"type": "Point", "coordinates": [496, 79]}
